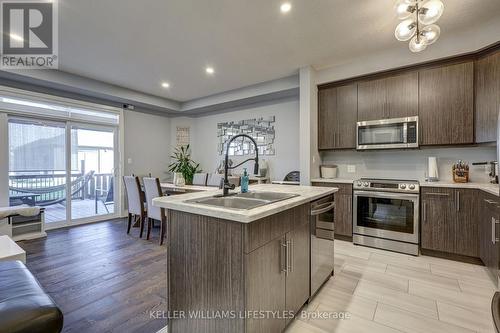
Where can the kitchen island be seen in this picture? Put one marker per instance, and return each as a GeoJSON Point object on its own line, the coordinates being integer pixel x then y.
{"type": "Point", "coordinates": [238, 270]}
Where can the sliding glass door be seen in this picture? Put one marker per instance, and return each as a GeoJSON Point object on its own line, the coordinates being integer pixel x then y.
{"type": "Point", "coordinates": [93, 160]}
{"type": "Point", "coordinates": [66, 167]}
{"type": "Point", "coordinates": [37, 166]}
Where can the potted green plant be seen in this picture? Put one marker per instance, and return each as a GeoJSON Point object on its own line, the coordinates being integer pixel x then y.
{"type": "Point", "coordinates": [184, 164]}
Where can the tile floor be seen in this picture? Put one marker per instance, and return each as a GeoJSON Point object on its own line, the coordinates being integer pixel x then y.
{"type": "Point", "coordinates": [390, 292]}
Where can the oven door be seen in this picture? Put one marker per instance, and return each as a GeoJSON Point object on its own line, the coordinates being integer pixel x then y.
{"type": "Point", "coordinates": [386, 215]}
{"type": "Point", "coordinates": [381, 134]}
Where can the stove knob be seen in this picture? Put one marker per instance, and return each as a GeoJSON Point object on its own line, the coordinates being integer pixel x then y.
{"type": "Point", "coordinates": [365, 184]}
{"type": "Point", "coordinates": [402, 186]}
{"type": "Point", "coordinates": [359, 184]}
{"type": "Point", "coordinates": [412, 186]}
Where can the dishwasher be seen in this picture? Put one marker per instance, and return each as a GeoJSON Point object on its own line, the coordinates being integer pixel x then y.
{"type": "Point", "coordinates": [322, 250]}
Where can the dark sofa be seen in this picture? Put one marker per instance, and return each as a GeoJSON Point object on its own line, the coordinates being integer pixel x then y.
{"type": "Point", "coordinates": [24, 306]}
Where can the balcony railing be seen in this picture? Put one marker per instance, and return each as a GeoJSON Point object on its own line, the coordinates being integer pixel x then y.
{"type": "Point", "coordinates": [47, 187]}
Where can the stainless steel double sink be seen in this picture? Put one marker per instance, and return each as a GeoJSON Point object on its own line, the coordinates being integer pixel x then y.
{"type": "Point", "coordinates": [244, 201]}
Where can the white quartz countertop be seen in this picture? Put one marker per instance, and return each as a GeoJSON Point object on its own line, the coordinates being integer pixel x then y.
{"type": "Point", "coordinates": [489, 188]}
{"type": "Point", "coordinates": [305, 194]}
{"type": "Point", "coordinates": [332, 180]}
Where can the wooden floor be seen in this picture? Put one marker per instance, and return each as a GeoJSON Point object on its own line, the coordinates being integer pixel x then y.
{"type": "Point", "coordinates": [106, 281]}
{"type": "Point", "coordinates": [390, 292]}
{"type": "Point", "coordinates": [79, 209]}
{"type": "Point", "coordinates": [102, 279]}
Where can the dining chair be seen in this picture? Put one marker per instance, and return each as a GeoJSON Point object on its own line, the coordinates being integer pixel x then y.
{"type": "Point", "coordinates": [234, 180]}
{"type": "Point", "coordinates": [200, 179]}
{"type": "Point", "coordinates": [214, 179]}
{"type": "Point", "coordinates": [135, 200]}
{"type": "Point", "coordinates": [153, 190]}
{"type": "Point", "coordinates": [293, 176]}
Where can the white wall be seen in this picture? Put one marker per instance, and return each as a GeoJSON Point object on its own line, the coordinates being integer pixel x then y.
{"type": "Point", "coordinates": [204, 136]}
{"type": "Point", "coordinates": [147, 143]}
{"type": "Point", "coordinates": [309, 157]}
{"type": "Point", "coordinates": [409, 164]}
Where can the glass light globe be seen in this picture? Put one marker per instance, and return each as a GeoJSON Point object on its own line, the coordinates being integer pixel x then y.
{"type": "Point", "coordinates": [418, 44]}
{"type": "Point", "coordinates": [430, 11]}
{"type": "Point", "coordinates": [405, 30]}
{"type": "Point", "coordinates": [403, 8]}
{"type": "Point", "coordinates": [431, 33]}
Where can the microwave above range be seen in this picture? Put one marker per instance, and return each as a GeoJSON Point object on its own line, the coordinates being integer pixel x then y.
{"type": "Point", "coordinates": [387, 133]}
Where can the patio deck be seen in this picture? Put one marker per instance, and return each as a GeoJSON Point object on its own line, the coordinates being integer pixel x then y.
{"type": "Point", "coordinates": [80, 209]}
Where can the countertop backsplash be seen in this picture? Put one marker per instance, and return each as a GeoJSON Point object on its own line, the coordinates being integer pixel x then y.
{"type": "Point", "coordinates": [409, 164]}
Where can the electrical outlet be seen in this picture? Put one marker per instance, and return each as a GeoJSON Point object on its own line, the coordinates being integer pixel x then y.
{"type": "Point", "coordinates": [351, 168]}
{"type": "Point", "coordinates": [129, 160]}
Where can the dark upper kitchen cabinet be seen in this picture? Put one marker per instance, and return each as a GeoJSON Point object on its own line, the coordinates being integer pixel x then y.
{"type": "Point", "coordinates": [343, 208]}
{"type": "Point", "coordinates": [337, 116]}
{"type": "Point", "coordinates": [446, 104]}
{"type": "Point", "coordinates": [449, 221]}
{"type": "Point", "coordinates": [487, 86]}
{"type": "Point", "coordinates": [391, 97]}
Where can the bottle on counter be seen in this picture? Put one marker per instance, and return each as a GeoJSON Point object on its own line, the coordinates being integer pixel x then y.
{"type": "Point", "coordinates": [244, 181]}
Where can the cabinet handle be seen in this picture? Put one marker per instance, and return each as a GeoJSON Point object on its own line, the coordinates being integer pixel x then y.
{"type": "Point", "coordinates": [494, 223]}
{"type": "Point", "coordinates": [288, 265]}
{"type": "Point", "coordinates": [284, 257]}
{"type": "Point", "coordinates": [438, 194]}
{"type": "Point", "coordinates": [458, 201]}
{"type": "Point", "coordinates": [291, 255]}
{"type": "Point", "coordinates": [424, 213]}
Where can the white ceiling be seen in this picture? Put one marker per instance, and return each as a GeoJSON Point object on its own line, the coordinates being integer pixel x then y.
{"type": "Point", "coordinates": [138, 44]}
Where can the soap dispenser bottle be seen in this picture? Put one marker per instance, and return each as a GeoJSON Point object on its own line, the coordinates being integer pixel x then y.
{"type": "Point", "coordinates": [244, 181]}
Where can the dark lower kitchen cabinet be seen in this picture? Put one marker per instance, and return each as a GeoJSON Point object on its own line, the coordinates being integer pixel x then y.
{"type": "Point", "coordinates": [446, 104]}
{"type": "Point", "coordinates": [487, 87]}
{"type": "Point", "coordinates": [449, 221]}
{"type": "Point", "coordinates": [437, 225]}
{"type": "Point", "coordinates": [488, 233]}
{"type": "Point", "coordinates": [395, 96]}
{"type": "Point", "coordinates": [343, 208]}
{"type": "Point", "coordinates": [337, 117]}
{"type": "Point", "coordinates": [278, 271]}
{"type": "Point", "coordinates": [297, 280]}
{"type": "Point", "coordinates": [266, 285]}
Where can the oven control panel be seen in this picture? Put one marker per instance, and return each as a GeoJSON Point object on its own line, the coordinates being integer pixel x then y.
{"type": "Point", "coordinates": [387, 185]}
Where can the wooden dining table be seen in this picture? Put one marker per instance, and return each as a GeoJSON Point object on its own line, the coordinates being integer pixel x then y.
{"type": "Point", "coordinates": [171, 189]}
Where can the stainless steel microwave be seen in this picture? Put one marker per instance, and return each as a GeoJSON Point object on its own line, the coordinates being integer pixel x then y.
{"type": "Point", "coordinates": [387, 133]}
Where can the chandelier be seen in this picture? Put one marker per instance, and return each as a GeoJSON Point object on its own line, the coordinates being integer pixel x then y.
{"type": "Point", "coordinates": [418, 25]}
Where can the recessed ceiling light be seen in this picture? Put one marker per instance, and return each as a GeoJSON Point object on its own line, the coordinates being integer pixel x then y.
{"type": "Point", "coordinates": [285, 7]}
{"type": "Point", "coordinates": [209, 70]}
{"type": "Point", "coordinates": [165, 85]}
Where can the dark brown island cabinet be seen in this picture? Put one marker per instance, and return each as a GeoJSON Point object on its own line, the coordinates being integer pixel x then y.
{"type": "Point", "coordinates": [257, 274]}
{"type": "Point", "coordinates": [456, 99]}
{"type": "Point", "coordinates": [343, 209]}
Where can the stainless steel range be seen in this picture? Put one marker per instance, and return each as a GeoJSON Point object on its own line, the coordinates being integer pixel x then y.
{"type": "Point", "coordinates": [386, 214]}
